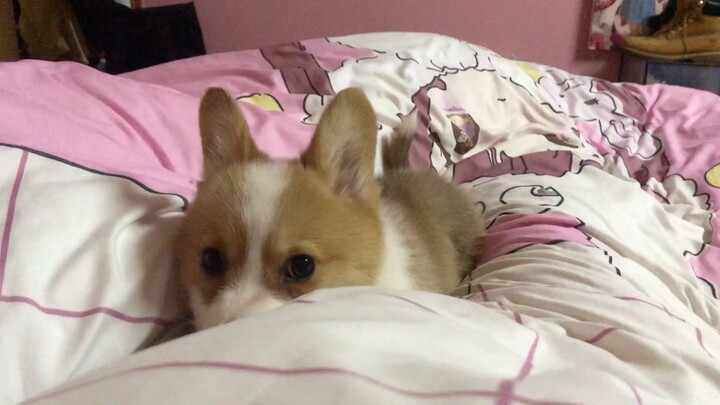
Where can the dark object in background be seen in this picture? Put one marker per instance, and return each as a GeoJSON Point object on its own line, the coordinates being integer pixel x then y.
{"type": "Point", "coordinates": [131, 39]}
{"type": "Point", "coordinates": [663, 18]}
{"type": "Point", "coordinates": [636, 69]}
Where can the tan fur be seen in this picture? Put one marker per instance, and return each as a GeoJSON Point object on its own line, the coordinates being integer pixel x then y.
{"type": "Point", "coordinates": [343, 147]}
{"type": "Point", "coordinates": [443, 228]}
{"type": "Point", "coordinates": [396, 149]}
{"type": "Point", "coordinates": [330, 208]}
{"type": "Point", "coordinates": [328, 211]}
{"type": "Point", "coordinates": [343, 235]}
{"type": "Point", "coordinates": [212, 220]}
{"type": "Point", "coordinates": [224, 133]}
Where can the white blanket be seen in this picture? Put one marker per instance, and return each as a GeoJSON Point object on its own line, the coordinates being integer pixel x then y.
{"type": "Point", "coordinates": [598, 283]}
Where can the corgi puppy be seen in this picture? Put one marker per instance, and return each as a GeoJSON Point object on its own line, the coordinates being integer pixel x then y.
{"type": "Point", "coordinates": [262, 232]}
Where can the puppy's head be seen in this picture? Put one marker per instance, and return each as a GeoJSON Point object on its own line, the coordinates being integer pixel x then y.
{"type": "Point", "coordinates": [262, 232]}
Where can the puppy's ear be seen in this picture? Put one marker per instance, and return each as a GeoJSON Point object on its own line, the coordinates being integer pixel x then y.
{"type": "Point", "coordinates": [224, 132]}
{"type": "Point", "coordinates": [342, 149]}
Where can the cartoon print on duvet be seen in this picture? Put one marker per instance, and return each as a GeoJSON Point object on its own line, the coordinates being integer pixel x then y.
{"type": "Point", "coordinates": [469, 99]}
{"type": "Point", "coordinates": [475, 110]}
{"type": "Point", "coordinates": [683, 186]}
{"type": "Point", "coordinates": [309, 72]}
{"type": "Point", "coordinates": [536, 207]}
{"type": "Point", "coordinates": [521, 110]}
{"type": "Point", "coordinates": [614, 113]}
{"type": "Point", "coordinates": [526, 109]}
{"type": "Point", "coordinates": [293, 71]}
{"type": "Point", "coordinates": [593, 115]}
{"type": "Point", "coordinates": [610, 118]}
{"type": "Point", "coordinates": [526, 215]}
{"type": "Point", "coordinates": [303, 67]}
{"type": "Point", "coordinates": [513, 233]}
{"type": "Point", "coordinates": [412, 69]}
{"type": "Point", "coordinates": [391, 76]}
{"type": "Point", "coordinates": [466, 98]}
{"type": "Point", "coordinates": [691, 235]}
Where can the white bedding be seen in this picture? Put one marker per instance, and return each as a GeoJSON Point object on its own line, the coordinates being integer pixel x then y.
{"type": "Point", "coordinates": [551, 338]}
{"type": "Point", "coordinates": [598, 283]}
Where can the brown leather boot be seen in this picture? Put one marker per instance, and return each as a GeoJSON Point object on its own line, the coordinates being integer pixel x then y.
{"type": "Point", "coordinates": [690, 35]}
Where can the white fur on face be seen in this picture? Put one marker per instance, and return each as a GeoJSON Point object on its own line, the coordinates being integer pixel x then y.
{"type": "Point", "coordinates": [263, 183]}
{"type": "Point", "coordinates": [394, 269]}
{"type": "Point", "coordinates": [233, 303]}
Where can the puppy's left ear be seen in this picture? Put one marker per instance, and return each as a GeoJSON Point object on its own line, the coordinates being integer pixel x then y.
{"type": "Point", "coordinates": [343, 147]}
{"type": "Point", "coordinates": [224, 132]}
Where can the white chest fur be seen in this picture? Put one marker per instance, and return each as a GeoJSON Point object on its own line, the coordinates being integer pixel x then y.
{"type": "Point", "coordinates": [395, 266]}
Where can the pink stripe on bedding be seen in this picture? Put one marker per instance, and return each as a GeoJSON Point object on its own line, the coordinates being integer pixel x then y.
{"type": "Point", "coordinates": [636, 393]}
{"type": "Point", "coordinates": [507, 388]}
{"type": "Point", "coordinates": [283, 372]}
{"type": "Point", "coordinates": [662, 308]}
{"type": "Point", "coordinates": [601, 335]}
{"type": "Point", "coordinates": [82, 314]}
{"type": "Point", "coordinates": [698, 334]}
{"type": "Point", "coordinates": [409, 301]}
{"type": "Point", "coordinates": [5, 243]}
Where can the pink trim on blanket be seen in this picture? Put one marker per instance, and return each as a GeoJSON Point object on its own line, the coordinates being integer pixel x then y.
{"type": "Point", "coordinates": [506, 391]}
{"type": "Point", "coordinates": [601, 335]}
{"type": "Point", "coordinates": [283, 372]}
{"type": "Point", "coordinates": [507, 387]}
{"type": "Point", "coordinates": [698, 334]}
{"type": "Point", "coordinates": [82, 314]}
{"type": "Point", "coordinates": [5, 244]}
{"type": "Point", "coordinates": [528, 364]}
{"type": "Point", "coordinates": [662, 308]}
{"type": "Point", "coordinates": [423, 307]}
{"type": "Point", "coordinates": [638, 399]}
{"type": "Point", "coordinates": [483, 293]}
{"type": "Point", "coordinates": [516, 315]}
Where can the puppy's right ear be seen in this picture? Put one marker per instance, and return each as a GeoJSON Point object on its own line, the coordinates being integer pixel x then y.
{"type": "Point", "coordinates": [224, 132]}
{"type": "Point", "coordinates": [343, 147]}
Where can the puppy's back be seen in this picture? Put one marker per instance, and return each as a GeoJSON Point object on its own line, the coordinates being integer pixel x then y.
{"type": "Point", "coordinates": [440, 219]}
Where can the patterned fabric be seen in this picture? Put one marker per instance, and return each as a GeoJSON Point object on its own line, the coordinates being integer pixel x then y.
{"type": "Point", "coordinates": [598, 283]}
{"type": "Point", "coordinates": [612, 20]}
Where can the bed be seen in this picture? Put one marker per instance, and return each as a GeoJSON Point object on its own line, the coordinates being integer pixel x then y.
{"type": "Point", "coordinates": [598, 282]}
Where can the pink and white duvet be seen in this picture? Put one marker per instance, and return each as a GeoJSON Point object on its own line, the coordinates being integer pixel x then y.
{"type": "Point", "coordinates": [599, 283]}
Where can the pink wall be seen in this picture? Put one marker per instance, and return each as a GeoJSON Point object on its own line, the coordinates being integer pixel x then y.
{"type": "Point", "coordinates": [519, 29]}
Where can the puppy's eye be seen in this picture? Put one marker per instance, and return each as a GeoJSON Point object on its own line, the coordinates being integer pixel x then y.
{"type": "Point", "coordinates": [299, 268]}
{"type": "Point", "coordinates": [213, 262]}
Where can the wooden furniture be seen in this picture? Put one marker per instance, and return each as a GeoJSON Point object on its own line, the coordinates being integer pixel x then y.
{"type": "Point", "coordinates": [8, 34]}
